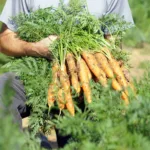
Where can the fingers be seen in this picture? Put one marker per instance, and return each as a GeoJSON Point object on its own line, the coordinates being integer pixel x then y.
{"type": "Point", "coordinates": [52, 38]}
{"type": "Point", "coordinates": [46, 42]}
{"type": "Point", "coordinates": [42, 48]}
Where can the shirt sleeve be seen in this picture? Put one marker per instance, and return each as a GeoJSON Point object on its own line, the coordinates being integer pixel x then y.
{"type": "Point", "coordinates": [120, 8]}
{"type": "Point", "coordinates": [13, 8]}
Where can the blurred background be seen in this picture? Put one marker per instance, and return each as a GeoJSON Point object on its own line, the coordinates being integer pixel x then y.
{"type": "Point", "coordinates": [136, 40]}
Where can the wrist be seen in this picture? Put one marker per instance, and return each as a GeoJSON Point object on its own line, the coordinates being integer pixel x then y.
{"type": "Point", "coordinates": [36, 49]}
{"type": "Point", "coordinates": [30, 49]}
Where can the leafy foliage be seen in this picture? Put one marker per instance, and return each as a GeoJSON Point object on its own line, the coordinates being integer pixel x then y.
{"type": "Point", "coordinates": [9, 134]}
{"type": "Point", "coordinates": [106, 123]}
{"type": "Point", "coordinates": [76, 28]}
{"type": "Point", "coordinates": [36, 76]}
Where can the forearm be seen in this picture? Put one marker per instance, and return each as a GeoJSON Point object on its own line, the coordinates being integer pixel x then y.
{"type": "Point", "coordinates": [11, 45]}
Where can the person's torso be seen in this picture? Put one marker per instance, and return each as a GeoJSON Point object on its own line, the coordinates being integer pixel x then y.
{"type": "Point", "coordinates": [95, 7]}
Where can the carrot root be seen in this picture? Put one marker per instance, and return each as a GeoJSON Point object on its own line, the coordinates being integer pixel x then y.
{"type": "Point", "coordinates": [73, 71]}
{"type": "Point", "coordinates": [118, 72]}
{"type": "Point", "coordinates": [102, 60]}
{"type": "Point", "coordinates": [84, 79]}
{"type": "Point", "coordinates": [53, 85]}
{"type": "Point", "coordinates": [65, 83]}
{"type": "Point", "coordinates": [61, 101]}
{"type": "Point", "coordinates": [94, 67]}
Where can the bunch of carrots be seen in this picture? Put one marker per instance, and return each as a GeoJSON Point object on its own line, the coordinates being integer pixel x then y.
{"type": "Point", "coordinates": [80, 54]}
{"type": "Point", "coordinates": [77, 72]}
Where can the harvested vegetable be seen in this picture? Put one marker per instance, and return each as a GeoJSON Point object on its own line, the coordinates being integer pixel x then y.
{"type": "Point", "coordinates": [103, 62]}
{"type": "Point", "coordinates": [61, 99]}
{"type": "Point", "coordinates": [94, 67]}
{"type": "Point", "coordinates": [51, 95]}
{"type": "Point", "coordinates": [73, 72]}
{"type": "Point", "coordinates": [115, 85]}
{"type": "Point", "coordinates": [118, 72]}
{"type": "Point", "coordinates": [87, 70]}
{"type": "Point", "coordinates": [125, 98]}
{"type": "Point", "coordinates": [53, 86]}
{"type": "Point", "coordinates": [84, 79]}
{"type": "Point", "coordinates": [65, 85]}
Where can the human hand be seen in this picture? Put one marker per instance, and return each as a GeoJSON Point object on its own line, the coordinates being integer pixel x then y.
{"type": "Point", "coordinates": [41, 48]}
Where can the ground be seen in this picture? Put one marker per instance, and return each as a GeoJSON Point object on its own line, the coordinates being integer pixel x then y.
{"type": "Point", "coordinates": [138, 56]}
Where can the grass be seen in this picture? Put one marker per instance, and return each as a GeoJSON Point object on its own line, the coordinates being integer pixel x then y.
{"type": "Point", "coordinates": [145, 65]}
{"type": "Point", "coordinates": [145, 50]}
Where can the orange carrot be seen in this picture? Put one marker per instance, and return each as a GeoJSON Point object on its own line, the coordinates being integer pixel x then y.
{"type": "Point", "coordinates": [55, 69]}
{"type": "Point", "coordinates": [125, 98]}
{"type": "Point", "coordinates": [87, 70]}
{"type": "Point", "coordinates": [84, 79]}
{"type": "Point", "coordinates": [61, 101]}
{"type": "Point", "coordinates": [116, 86]}
{"type": "Point", "coordinates": [65, 83]}
{"type": "Point", "coordinates": [94, 67]}
{"type": "Point", "coordinates": [51, 94]}
{"type": "Point", "coordinates": [126, 73]}
{"type": "Point", "coordinates": [73, 71]}
{"type": "Point", "coordinates": [118, 72]}
{"type": "Point", "coordinates": [53, 85]}
{"type": "Point", "coordinates": [103, 62]}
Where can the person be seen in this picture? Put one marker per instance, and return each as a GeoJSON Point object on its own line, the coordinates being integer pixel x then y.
{"type": "Point", "coordinates": [13, 46]}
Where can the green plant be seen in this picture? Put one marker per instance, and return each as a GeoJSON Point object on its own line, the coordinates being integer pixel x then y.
{"type": "Point", "coordinates": [11, 135]}
{"type": "Point", "coordinates": [104, 124]}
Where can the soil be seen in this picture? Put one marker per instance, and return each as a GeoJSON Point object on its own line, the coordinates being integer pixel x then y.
{"type": "Point", "coordinates": [137, 57]}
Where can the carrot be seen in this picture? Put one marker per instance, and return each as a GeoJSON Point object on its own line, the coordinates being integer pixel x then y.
{"type": "Point", "coordinates": [84, 79]}
{"type": "Point", "coordinates": [94, 67]}
{"type": "Point", "coordinates": [87, 70]}
{"type": "Point", "coordinates": [61, 101]}
{"type": "Point", "coordinates": [126, 73]}
{"type": "Point", "coordinates": [118, 72]}
{"type": "Point", "coordinates": [125, 98]}
{"type": "Point", "coordinates": [65, 83]}
{"type": "Point", "coordinates": [51, 94]}
{"type": "Point", "coordinates": [73, 71]}
{"type": "Point", "coordinates": [103, 62]}
{"type": "Point", "coordinates": [53, 85]}
{"type": "Point", "coordinates": [115, 85]}
{"type": "Point", "coordinates": [55, 69]}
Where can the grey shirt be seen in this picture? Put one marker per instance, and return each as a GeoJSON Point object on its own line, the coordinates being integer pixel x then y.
{"type": "Point", "coordinates": [96, 7]}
